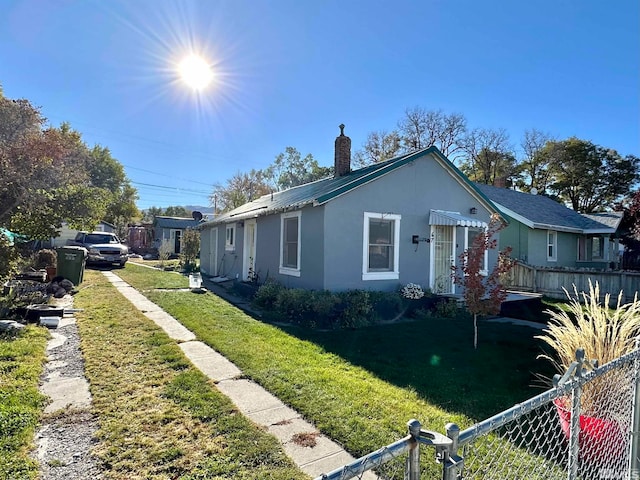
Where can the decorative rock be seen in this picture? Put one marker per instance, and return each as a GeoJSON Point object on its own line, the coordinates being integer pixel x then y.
{"type": "Point", "coordinates": [7, 325]}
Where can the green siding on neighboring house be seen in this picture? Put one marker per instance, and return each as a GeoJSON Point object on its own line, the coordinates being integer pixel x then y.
{"type": "Point", "coordinates": [516, 236]}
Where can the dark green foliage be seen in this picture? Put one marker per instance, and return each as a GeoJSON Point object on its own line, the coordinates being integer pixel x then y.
{"type": "Point", "coordinates": [9, 258]}
{"type": "Point", "coordinates": [267, 295]}
{"type": "Point", "coordinates": [335, 310]}
{"type": "Point", "coordinates": [354, 309]}
{"type": "Point", "coordinates": [50, 176]}
{"type": "Point", "coordinates": [190, 248]}
{"type": "Point", "coordinates": [386, 305]}
{"type": "Point", "coordinates": [313, 308]}
{"type": "Point", "coordinates": [440, 308]}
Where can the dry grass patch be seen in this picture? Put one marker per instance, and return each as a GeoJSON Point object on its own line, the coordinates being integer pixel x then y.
{"type": "Point", "coordinates": [305, 439]}
{"type": "Point", "coordinates": [160, 417]}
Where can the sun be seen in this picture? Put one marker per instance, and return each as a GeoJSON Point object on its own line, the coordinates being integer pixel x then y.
{"type": "Point", "coordinates": [195, 72]}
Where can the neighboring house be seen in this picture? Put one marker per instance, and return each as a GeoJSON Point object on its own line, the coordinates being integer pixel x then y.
{"type": "Point", "coordinates": [140, 238]}
{"type": "Point", "coordinates": [171, 229]}
{"type": "Point", "coordinates": [400, 221]}
{"type": "Point", "coordinates": [545, 233]}
{"type": "Point", "coordinates": [69, 234]}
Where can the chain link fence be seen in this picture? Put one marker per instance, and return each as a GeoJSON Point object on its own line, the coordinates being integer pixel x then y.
{"type": "Point", "coordinates": [585, 428]}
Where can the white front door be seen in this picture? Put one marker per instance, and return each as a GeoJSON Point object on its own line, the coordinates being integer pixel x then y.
{"type": "Point", "coordinates": [443, 255]}
{"type": "Point", "coordinates": [249, 250]}
{"type": "Point", "coordinates": [213, 252]}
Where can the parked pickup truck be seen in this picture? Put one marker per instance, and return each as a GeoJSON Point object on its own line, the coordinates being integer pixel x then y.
{"type": "Point", "coordinates": [103, 247]}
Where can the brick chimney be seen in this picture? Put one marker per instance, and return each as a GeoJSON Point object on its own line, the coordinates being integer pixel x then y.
{"type": "Point", "coordinates": [342, 161]}
{"type": "Point", "coordinates": [500, 182]}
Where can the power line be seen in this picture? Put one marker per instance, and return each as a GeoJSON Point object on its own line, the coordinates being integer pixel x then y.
{"type": "Point", "coordinates": [136, 139]}
{"type": "Point", "coordinates": [174, 195]}
{"type": "Point", "coordinates": [166, 175]}
{"type": "Point", "coordinates": [174, 189]}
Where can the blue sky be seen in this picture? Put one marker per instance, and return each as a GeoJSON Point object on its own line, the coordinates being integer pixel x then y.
{"type": "Point", "coordinates": [289, 72]}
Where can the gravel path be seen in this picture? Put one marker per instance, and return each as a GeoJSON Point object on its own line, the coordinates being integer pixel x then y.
{"type": "Point", "coordinates": [66, 436]}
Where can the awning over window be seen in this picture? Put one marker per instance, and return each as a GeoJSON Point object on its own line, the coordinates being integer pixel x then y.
{"type": "Point", "coordinates": [443, 217]}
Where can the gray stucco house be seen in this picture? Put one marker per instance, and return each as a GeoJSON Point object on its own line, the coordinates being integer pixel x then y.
{"type": "Point", "coordinates": [404, 220]}
{"type": "Point", "coordinates": [545, 233]}
{"type": "Point", "coordinates": [171, 229]}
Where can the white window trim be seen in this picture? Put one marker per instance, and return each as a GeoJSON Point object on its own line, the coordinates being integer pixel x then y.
{"type": "Point", "coordinates": [230, 246]}
{"type": "Point", "coordinates": [485, 270]}
{"type": "Point", "coordinates": [395, 274]}
{"type": "Point", "coordinates": [294, 272]}
{"type": "Point", "coordinates": [554, 257]}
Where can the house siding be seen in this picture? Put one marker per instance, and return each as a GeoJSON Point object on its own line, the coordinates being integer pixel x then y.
{"type": "Point", "coordinates": [206, 258]}
{"type": "Point", "coordinates": [566, 249]}
{"type": "Point", "coordinates": [331, 234]}
{"type": "Point", "coordinates": [311, 246]}
{"type": "Point", "coordinates": [230, 261]}
{"type": "Point", "coordinates": [344, 220]}
{"type": "Point", "coordinates": [516, 236]}
{"type": "Point", "coordinates": [267, 261]}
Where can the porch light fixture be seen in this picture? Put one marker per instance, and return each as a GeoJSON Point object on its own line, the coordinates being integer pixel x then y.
{"type": "Point", "coordinates": [473, 210]}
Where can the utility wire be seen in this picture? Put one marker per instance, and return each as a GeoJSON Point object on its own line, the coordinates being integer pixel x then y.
{"type": "Point", "coordinates": [168, 187]}
{"type": "Point", "coordinates": [137, 139]}
{"type": "Point", "coordinates": [166, 175]}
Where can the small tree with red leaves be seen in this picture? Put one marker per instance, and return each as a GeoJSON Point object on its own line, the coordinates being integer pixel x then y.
{"type": "Point", "coordinates": [483, 291]}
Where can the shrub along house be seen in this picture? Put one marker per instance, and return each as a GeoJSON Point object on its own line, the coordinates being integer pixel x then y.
{"type": "Point", "coordinates": [545, 233]}
{"type": "Point", "coordinates": [404, 220]}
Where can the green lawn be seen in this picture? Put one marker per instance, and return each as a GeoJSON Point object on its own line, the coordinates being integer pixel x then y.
{"type": "Point", "coordinates": [145, 278]}
{"type": "Point", "coordinates": [360, 387]}
{"type": "Point", "coordinates": [21, 359]}
{"type": "Point", "coordinates": [160, 418]}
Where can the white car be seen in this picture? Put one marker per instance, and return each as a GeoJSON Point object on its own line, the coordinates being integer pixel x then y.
{"type": "Point", "coordinates": [104, 248]}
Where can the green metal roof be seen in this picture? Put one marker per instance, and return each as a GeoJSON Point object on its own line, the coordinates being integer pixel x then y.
{"type": "Point", "coordinates": [325, 190]}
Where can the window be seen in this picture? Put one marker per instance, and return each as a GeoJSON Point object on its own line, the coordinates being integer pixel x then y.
{"type": "Point", "coordinates": [582, 249]}
{"type": "Point", "coordinates": [380, 246]}
{"type": "Point", "coordinates": [290, 244]}
{"type": "Point", "coordinates": [472, 234]}
{"type": "Point", "coordinates": [230, 241]}
{"type": "Point", "coordinates": [597, 248]}
{"type": "Point", "coordinates": [552, 246]}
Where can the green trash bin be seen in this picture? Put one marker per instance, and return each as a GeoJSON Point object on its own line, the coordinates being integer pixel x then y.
{"type": "Point", "coordinates": [71, 261]}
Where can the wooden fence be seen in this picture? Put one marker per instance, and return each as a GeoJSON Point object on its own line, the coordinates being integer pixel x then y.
{"type": "Point", "coordinates": [550, 281]}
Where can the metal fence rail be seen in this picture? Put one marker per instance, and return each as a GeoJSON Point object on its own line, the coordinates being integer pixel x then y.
{"type": "Point", "coordinates": [586, 427]}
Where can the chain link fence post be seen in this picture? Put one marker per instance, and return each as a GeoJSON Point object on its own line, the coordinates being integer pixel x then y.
{"type": "Point", "coordinates": [413, 459]}
{"type": "Point", "coordinates": [574, 431]}
{"type": "Point", "coordinates": [453, 464]}
{"type": "Point", "coordinates": [634, 451]}
{"type": "Point", "coordinates": [576, 369]}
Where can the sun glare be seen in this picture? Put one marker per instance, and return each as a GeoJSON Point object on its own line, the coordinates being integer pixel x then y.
{"type": "Point", "coordinates": [195, 72]}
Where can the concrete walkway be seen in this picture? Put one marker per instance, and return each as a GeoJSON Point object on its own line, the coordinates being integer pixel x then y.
{"type": "Point", "coordinates": [517, 321]}
{"type": "Point", "coordinates": [251, 399]}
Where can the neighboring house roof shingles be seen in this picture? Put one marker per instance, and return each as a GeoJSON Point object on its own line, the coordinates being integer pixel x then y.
{"type": "Point", "coordinates": [175, 222]}
{"type": "Point", "coordinates": [538, 211]}
{"type": "Point", "coordinates": [322, 191]}
{"type": "Point", "coordinates": [610, 219]}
